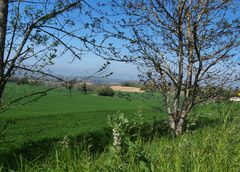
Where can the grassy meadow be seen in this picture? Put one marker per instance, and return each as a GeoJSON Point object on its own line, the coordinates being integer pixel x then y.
{"type": "Point", "coordinates": [206, 150]}
{"type": "Point", "coordinates": [64, 113]}
{"type": "Point", "coordinates": [31, 141]}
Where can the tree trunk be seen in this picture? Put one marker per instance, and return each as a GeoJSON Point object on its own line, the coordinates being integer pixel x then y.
{"type": "Point", "coordinates": [3, 28]}
{"type": "Point", "coordinates": [1, 96]}
{"type": "Point", "coordinates": [2, 86]}
{"type": "Point", "coordinates": [172, 123]}
{"type": "Point", "coordinates": [180, 127]}
{"type": "Point", "coordinates": [177, 124]}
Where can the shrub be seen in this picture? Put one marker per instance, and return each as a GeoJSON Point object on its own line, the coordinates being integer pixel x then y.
{"type": "Point", "coordinates": [129, 84]}
{"type": "Point", "coordinates": [83, 87]}
{"type": "Point", "coordinates": [23, 81]}
{"type": "Point", "coordinates": [105, 91]}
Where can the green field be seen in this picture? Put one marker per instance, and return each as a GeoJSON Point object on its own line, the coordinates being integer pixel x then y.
{"type": "Point", "coordinates": [38, 125]}
{"type": "Point", "coordinates": [64, 113]}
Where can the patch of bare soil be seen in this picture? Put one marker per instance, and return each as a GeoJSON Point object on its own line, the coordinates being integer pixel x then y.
{"type": "Point", "coordinates": [127, 89]}
{"type": "Point", "coordinates": [235, 99]}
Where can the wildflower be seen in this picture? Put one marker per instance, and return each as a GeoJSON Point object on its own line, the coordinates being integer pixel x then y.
{"type": "Point", "coordinates": [117, 141]}
{"type": "Point", "coordinates": [65, 142]}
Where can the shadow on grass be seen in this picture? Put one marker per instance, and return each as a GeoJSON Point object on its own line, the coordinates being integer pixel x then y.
{"type": "Point", "coordinates": [93, 142]}
{"type": "Point", "coordinates": [203, 122]}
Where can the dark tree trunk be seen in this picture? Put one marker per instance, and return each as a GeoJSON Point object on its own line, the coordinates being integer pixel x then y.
{"type": "Point", "coordinates": [1, 96]}
{"type": "Point", "coordinates": [3, 28]}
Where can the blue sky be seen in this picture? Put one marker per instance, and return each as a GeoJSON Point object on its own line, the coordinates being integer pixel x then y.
{"type": "Point", "coordinates": [89, 64]}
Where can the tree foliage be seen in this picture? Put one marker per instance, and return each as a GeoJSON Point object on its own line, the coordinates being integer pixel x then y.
{"type": "Point", "coordinates": [105, 91]}
{"type": "Point", "coordinates": [34, 34]}
{"type": "Point", "coordinates": [179, 46]}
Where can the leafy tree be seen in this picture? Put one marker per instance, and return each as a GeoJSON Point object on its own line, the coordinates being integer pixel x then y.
{"type": "Point", "coordinates": [179, 46]}
{"type": "Point", "coordinates": [84, 87]}
{"type": "Point", "coordinates": [33, 34]}
{"type": "Point", "coordinates": [105, 91]}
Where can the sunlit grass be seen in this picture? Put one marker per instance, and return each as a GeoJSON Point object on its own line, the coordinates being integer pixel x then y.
{"type": "Point", "coordinates": [32, 143]}
{"type": "Point", "coordinates": [209, 149]}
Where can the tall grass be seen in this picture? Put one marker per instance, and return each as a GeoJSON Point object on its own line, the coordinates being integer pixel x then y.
{"type": "Point", "coordinates": [212, 148]}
